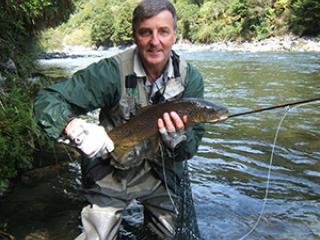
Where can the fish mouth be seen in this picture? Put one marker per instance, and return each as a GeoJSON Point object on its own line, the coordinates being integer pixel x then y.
{"type": "Point", "coordinates": [218, 119]}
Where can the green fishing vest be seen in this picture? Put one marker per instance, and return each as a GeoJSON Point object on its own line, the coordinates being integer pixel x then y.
{"type": "Point", "coordinates": [134, 97]}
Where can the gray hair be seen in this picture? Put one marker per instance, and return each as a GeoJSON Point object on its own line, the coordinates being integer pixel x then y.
{"type": "Point", "coordinates": [150, 8]}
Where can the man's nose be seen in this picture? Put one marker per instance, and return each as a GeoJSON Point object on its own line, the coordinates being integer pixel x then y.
{"type": "Point", "coordinates": [155, 39]}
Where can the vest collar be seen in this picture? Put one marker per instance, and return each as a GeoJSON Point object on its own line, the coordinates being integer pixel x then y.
{"type": "Point", "coordinates": [139, 70]}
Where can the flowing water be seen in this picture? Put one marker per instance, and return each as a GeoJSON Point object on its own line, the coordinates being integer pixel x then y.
{"type": "Point", "coordinates": [230, 171]}
{"type": "Point", "coordinates": [231, 168]}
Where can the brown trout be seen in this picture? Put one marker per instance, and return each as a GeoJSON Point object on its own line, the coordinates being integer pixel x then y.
{"type": "Point", "coordinates": [144, 125]}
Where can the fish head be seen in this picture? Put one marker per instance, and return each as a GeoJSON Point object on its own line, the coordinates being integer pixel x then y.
{"type": "Point", "coordinates": [208, 112]}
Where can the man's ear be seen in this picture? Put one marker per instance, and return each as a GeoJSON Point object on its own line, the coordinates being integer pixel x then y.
{"type": "Point", "coordinates": [175, 37]}
{"type": "Point", "coordinates": [134, 38]}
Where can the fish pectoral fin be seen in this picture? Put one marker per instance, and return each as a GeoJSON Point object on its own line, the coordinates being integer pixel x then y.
{"type": "Point", "coordinates": [121, 150]}
{"type": "Point", "coordinates": [124, 148]}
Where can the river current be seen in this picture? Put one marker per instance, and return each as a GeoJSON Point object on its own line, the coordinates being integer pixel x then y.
{"type": "Point", "coordinates": [232, 171]}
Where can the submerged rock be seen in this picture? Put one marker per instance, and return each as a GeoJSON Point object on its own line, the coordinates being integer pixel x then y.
{"type": "Point", "coordinates": [39, 174]}
{"type": "Point", "coordinates": [8, 64]}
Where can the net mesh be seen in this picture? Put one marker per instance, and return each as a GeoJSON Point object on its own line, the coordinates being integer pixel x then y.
{"type": "Point", "coordinates": [186, 223]}
{"type": "Point", "coordinates": [187, 226]}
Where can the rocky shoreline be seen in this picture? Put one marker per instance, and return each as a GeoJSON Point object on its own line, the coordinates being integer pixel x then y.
{"type": "Point", "coordinates": [286, 43]}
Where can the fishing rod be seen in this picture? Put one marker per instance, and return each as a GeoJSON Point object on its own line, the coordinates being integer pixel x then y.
{"type": "Point", "coordinates": [273, 107]}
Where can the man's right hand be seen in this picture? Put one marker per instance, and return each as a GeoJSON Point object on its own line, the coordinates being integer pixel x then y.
{"type": "Point", "coordinates": [90, 138]}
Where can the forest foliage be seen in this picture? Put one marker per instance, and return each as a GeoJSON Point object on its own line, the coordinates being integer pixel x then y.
{"type": "Point", "coordinates": [108, 22]}
{"type": "Point", "coordinates": [20, 22]}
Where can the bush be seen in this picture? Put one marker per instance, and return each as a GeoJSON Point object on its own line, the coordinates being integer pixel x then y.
{"type": "Point", "coordinates": [204, 34]}
{"type": "Point", "coordinates": [212, 10]}
{"type": "Point", "coordinates": [19, 20]}
{"type": "Point", "coordinates": [306, 17]}
{"type": "Point", "coordinates": [229, 32]}
{"type": "Point", "coordinates": [79, 36]}
{"type": "Point", "coordinates": [188, 15]}
{"type": "Point", "coordinates": [263, 30]}
{"type": "Point", "coordinates": [122, 26]}
{"type": "Point", "coordinates": [19, 132]}
{"type": "Point", "coordinates": [255, 18]}
{"type": "Point", "coordinates": [51, 39]}
{"type": "Point", "coordinates": [103, 28]}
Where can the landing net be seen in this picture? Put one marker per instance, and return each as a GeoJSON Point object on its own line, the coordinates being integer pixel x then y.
{"type": "Point", "coordinates": [186, 223]}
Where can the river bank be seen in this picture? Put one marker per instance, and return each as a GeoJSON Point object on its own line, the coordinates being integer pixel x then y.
{"type": "Point", "coordinates": [287, 43]}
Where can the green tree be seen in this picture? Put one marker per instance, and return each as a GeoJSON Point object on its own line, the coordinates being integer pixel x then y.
{"type": "Point", "coordinates": [214, 24]}
{"type": "Point", "coordinates": [122, 25]}
{"type": "Point", "coordinates": [188, 14]}
{"type": "Point", "coordinates": [253, 18]}
{"type": "Point", "coordinates": [305, 17]}
{"type": "Point", "coordinates": [20, 20]}
{"type": "Point", "coordinates": [103, 29]}
{"type": "Point", "coordinates": [19, 133]}
{"type": "Point", "coordinates": [197, 2]}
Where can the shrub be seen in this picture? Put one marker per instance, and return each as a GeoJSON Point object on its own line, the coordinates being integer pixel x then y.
{"type": "Point", "coordinates": [122, 25]}
{"type": "Point", "coordinates": [51, 39]}
{"type": "Point", "coordinates": [255, 18]}
{"type": "Point", "coordinates": [230, 32]}
{"type": "Point", "coordinates": [103, 29]}
{"type": "Point", "coordinates": [78, 37]}
{"type": "Point", "coordinates": [263, 29]}
{"type": "Point", "coordinates": [188, 15]}
{"type": "Point", "coordinates": [212, 10]}
{"type": "Point", "coordinates": [306, 17]}
{"type": "Point", "coordinates": [19, 132]}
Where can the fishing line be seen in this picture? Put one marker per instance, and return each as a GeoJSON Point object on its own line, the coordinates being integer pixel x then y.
{"type": "Point", "coordinates": [166, 181]}
{"type": "Point", "coordinates": [268, 176]}
{"type": "Point", "coordinates": [287, 108]}
{"type": "Point", "coordinates": [69, 155]}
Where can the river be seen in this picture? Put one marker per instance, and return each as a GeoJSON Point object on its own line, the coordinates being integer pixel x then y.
{"type": "Point", "coordinates": [233, 169]}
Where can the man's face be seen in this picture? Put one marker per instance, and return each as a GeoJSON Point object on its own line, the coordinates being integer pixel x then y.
{"type": "Point", "coordinates": [155, 37]}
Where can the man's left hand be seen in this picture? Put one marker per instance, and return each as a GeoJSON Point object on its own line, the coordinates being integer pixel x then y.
{"type": "Point", "coordinates": [172, 127]}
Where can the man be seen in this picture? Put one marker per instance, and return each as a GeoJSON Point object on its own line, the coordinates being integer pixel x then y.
{"type": "Point", "coordinates": [149, 73]}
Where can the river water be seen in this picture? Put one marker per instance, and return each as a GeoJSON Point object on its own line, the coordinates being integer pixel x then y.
{"type": "Point", "coordinates": [232, 171]}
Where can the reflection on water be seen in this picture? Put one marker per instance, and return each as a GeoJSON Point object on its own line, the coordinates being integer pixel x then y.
{"type": "Point", "coordinates": [44, 207]}
{"type": "Point", "coordinates": [229, 173]}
